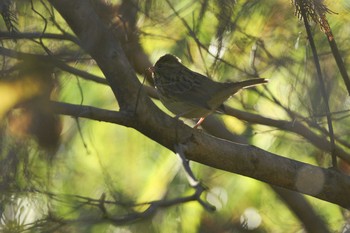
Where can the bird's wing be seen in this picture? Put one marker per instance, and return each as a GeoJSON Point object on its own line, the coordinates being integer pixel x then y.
{"type": "Point", "coordinates": [194, 88]}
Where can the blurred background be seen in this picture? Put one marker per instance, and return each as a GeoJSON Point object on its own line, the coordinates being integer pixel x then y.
{"type": "Point", "coordinates": [57, 170]}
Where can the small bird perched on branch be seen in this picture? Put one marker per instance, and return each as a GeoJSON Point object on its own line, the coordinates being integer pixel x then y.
{"type": "Point", "coordinates": [189, 94]}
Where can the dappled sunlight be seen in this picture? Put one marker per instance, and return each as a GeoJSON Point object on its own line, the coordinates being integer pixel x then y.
{"type": "Point", "coordinates": [250, 219]}
{"type": "Point", "coordinates": [218, 197]}
{"type": "Point", "coordinates": [310, 180]}
{"type": "Point", "coordinates": [21, 210]}
{"type": "Point", "coordinates": [83, 148]}
{"type": "Point", "coordinates": [16, 92]}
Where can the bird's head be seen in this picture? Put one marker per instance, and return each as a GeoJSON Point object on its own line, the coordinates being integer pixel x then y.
{"type": "Point", "coordinates": [168, 61]}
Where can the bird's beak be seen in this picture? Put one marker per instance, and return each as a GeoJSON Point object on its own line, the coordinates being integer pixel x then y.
{"type": "Point", "coordinates": [149, 72]}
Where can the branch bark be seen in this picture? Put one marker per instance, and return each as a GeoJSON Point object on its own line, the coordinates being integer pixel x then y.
{"type": "Point", "coordinates": [325, 184]}
{"type": "Point", "coordinates": [145, 117]}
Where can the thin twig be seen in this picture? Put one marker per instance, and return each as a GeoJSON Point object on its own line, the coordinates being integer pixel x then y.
{"type": "Point", "coordinates": [192, 180]}
{"type": "Point", "coordinates": [102, 203]}
{"type": "Point", "coordinates": [321, 84]}
{"type": "Point", "coordinates": [339, 61]}
{"type": "Point", "coordinates": [55, 61]}
{"type": "Point", "coordinates": [37, 35]}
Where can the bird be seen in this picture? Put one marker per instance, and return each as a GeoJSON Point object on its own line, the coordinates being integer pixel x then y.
{"type": "Point", "coordinates": [189, 94]}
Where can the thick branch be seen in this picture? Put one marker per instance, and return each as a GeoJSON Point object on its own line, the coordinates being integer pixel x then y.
{"type": "Point", "coordinates": [325, 184]}
{"type": "Point", "coordinates": [247, 160]}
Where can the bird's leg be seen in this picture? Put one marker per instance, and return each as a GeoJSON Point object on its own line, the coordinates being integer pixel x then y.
{"type": "Point", "coordinates": [199, 122]}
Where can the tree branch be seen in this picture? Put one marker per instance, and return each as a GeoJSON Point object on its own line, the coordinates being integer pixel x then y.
{"type": "Point", "coordinates": [53, 60]}
{"type": "Point", "coordinates": [243, 159]}
{"type": "Point", "coordinates": [303, 210]}
{"type": "Point", "coordinates": [37, 35]}
{"type": "Point", "coordinates": [98, 114]}
{"type": "Point", "coordinates": [321, 84]}
{"type": "Point", "coordinates": [291, 126]}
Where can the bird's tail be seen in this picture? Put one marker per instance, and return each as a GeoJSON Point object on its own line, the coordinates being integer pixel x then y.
{"type": "Point", "coordinates": [248, 83]}
{"type": "Point", "coordinates": [229, 89]}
